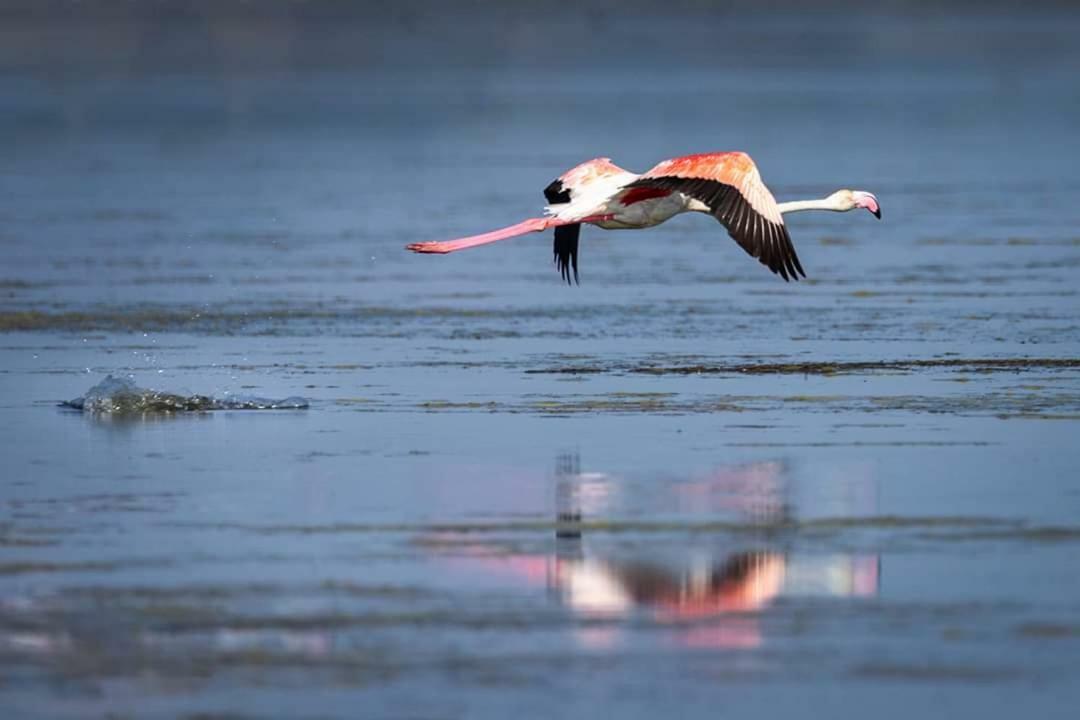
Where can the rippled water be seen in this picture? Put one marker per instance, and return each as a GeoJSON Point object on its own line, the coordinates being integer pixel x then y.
{"type": "Point", "coordinates": [684, 485]}
{"type": "Point", "coordinates": [122, 398]}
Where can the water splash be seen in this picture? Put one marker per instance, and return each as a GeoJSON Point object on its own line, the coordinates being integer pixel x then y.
{"type": "Point", "coordinates": [115, 395]}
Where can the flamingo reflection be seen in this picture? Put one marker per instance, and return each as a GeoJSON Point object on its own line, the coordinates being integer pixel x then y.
{"type": "Point", "coordinates": [708, 597]}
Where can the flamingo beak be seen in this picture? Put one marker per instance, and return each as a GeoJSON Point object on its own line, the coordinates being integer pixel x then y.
{"type": "Point", "coordinates": [868, 201]}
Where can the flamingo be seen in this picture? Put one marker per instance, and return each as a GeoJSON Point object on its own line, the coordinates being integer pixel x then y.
{"type": "Point", "coordinates": [726, 185]}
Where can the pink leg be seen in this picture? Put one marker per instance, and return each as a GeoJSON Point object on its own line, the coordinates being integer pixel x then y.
{"type": "Point", "coordinates": [448, 246]}
{"type": "Point", "coordinates": [527, 226]}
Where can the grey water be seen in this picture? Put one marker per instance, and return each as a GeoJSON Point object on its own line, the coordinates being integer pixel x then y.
{"type": "Point", "coordinates": [679, 487]}
{"type": "Point", "coordinates": [120, 397]}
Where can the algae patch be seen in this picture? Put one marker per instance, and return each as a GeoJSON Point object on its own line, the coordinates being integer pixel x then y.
{"type": "Point", "coordinates": [826, 368]}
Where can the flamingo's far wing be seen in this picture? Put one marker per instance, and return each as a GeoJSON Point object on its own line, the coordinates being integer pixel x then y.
{"type": "Point", "coordinates": [730, 186]}
{"type": "Point", "coordinates": [566, 236]}
{"type": "Point", "coordinates": [559, 192]}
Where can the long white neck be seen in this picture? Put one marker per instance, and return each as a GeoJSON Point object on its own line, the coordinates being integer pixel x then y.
{"type": "Point", "coordinates": [799, 205]}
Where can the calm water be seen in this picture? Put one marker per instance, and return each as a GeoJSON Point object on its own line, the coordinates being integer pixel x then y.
{"type": "Point", "coordinates": [680, 486]}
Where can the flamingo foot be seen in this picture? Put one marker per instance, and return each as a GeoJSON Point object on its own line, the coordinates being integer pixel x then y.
{"type": "Point", "coordinates": [430, 247]}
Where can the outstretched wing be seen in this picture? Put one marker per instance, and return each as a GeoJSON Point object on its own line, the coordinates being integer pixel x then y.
{"type": "Point", "coordinates": [730, 187]}
{"type": "Point", "coordinates": [561, 191]}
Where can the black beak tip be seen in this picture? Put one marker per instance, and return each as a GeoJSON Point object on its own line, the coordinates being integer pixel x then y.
{"type": "Point", "coordinates": [877, 213]}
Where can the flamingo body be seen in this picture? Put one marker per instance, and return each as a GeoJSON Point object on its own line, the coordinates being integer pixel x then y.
{"type": "Point", "coordinates": [726, 185]}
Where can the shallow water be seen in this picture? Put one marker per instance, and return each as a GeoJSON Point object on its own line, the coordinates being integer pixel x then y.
{"type": "Point", "coordinates": [682, 484]}
{"type": "Point", "coordinates": [122, 398]}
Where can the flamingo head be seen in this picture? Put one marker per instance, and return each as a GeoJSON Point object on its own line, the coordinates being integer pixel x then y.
{"type": "Point", "coordinates": [866, 200]}
{"type": "Point", "coordinates": [851, 199]}
{"type": "Point", "coordinates": [846, 200]}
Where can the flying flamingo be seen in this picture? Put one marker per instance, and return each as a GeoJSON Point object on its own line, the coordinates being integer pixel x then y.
{"type": "Point", "coordinates": [726, 185]}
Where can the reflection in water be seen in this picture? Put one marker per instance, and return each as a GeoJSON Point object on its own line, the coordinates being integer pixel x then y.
{"type": "Point", "coordinates": [756, 493]}
{"type": "Point", "coordinates": [710, 597]}
{"type": "Point", "coordinates": [702, 590]}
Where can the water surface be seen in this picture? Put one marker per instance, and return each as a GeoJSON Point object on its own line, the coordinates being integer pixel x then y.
{"type": "Point", "coordinates": [683, 485]}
